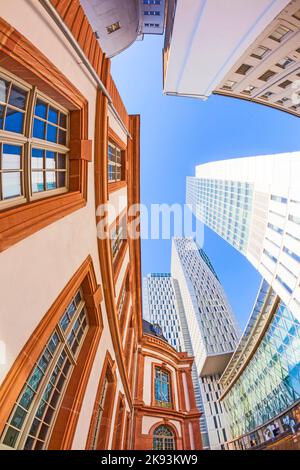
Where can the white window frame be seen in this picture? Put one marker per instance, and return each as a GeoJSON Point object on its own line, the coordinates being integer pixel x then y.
{"type": "Point", "coordinates": [27, 142]}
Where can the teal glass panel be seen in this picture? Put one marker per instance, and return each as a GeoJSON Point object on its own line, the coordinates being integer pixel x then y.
{"type": "Point", "coordinates": [271, 381]}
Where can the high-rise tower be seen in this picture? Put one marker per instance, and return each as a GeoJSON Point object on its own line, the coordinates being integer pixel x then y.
{"type": "Point", "coordinates": [254, 204]}
{"type": "Point", "coordinates": [191, 308]}
{"type": "Point", "coordinates": [160, 307]}
{"type": "Point", "coordinates": [212, 329]}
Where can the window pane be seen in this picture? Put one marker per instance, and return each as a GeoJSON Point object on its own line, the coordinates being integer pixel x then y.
{"type": "Point", "coordinates": [63, 120]}
{"type": "Point", "coordinates": [14, 121]}
{"type": "Point", "coordinates": [62, 137]}
{"type": "Point", "coordinates": [61, 161]}
{"type": "Point", "coordinates": [35, 425]}
{"type": "Point", "coordinates": [52, 345]}
{"type": "Point", "coordinates": [11, 157]}
{"type": "Point", "coordinates": [11, 437]}
{"type": "Point", "coordinates": [18, 97]}
{"type": "Point", "coordinates": [18, 418]}
{"type": "Point", "coordinates": [74, 347]}
{"type": "Point", "coordinates": [50, 180]}
{"type": "Point", "coordinates": [4, 85]}
{"type": "Point", "coordinates": [37, 181]}
{"type": "Point", "coordinates": [48, 391]}
{"type": "Point", "coordinates": [54, 375]}
{"type": "Point", "coordinates": [51, 133]}
{"type": "Point", "coordinates": [11, 185]}
{"type": "Point", "coordinates": [110, 172]}
{"type": "Point", "coordinates": [43, 432]}
{"type": "Point", "coordinates": [71, 309]}
{"type": "Point", "coordinates": [50, 160]}
{"type": "Point", "coordinates": [53, 115]}
{"type": "Point", "coordinates": [61, 179]}
{"type": "Point", "coordinates": [55, 398]}
{"type": "Point", "coordinates": [61, 359]}
{"type": "Point", "coordinates": [80, 333]}
{"type": "Point", "coordinates": [49, 415]}
{"type": "Point", "coordinates": [64, 322]}
{"type": "Point", "coordinates": [61, 383]}
{"type": "Point", "coordinates": [27, 398]}
{"type": "Point", "coordinates": [29, 443]}
{"type": "Point", "coordinates": [40, 109]}
{"type": "Point", "coordinates": [35, 378]}
{"type": "Point", "coordinates": [39, 445]}
{"type": "Point", "coordinates": [71, 338]}
{"type": "Point", "coordinates": [37, 156]}
{"type": "Point", "coordinates": [66, 367]}
{"type": "Point", "coordinates": [78, 299]}
{"type": "Point", "coordinates": [41, 409]}
{"type": "Point", "coordinates": [38, 129]}
{"type": "Point", "coordinates": [44, 361]}
{"type": "Point", "coordinates": [111, 152]}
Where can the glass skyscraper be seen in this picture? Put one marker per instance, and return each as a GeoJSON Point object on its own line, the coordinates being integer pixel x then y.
{"type": "Point", "coordinates": [211, 326]}
{"type": "Point", "coordinates": [261, 384]}
{"type": "Point", "coordinates": [160, 306]}
{"type": "Point", "coordinates": [254, 204]}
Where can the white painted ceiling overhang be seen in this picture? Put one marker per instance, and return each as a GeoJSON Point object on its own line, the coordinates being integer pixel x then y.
{"type": "Point", "coordinates": [208, 38]}
{"type": "Point", "coordinates": [103, 13]}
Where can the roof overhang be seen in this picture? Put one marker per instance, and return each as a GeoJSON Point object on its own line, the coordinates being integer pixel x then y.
{"type": "Point", "coordinates": [215, 364]}
{"type": "Point", "coordinates": [207, 39]}
{"type": "Point", "coordinates": [104, 13]}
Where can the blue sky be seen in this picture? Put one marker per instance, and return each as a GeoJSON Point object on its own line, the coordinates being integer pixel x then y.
{"type": "Point", "coordinates": [179, 133]}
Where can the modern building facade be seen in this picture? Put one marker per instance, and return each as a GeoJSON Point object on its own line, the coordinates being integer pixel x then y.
{"type": "Point", "coordinates": [117, 24]}
{"type": "Point", "coordinates": [152, 16]}
{"type": "Point", "coordinates": [71, 309]}
{"type": "Point", "coordinates": [160, 307]}
{"type": "Point", "coordinates": [213, 332]}
{"type": "Point", "coordinates": [254, 204]}
{"type": "Point", "coordinates": [261, 384]}
{"type": "Point", "coordinates": [247, 50]}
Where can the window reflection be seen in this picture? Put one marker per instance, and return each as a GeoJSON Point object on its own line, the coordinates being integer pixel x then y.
{"type": "Point", "coordinates": [13, 102]}
{"type": "Point", "coordinates": [10, 172]}
{"type": "Point", "coordinates": [47, 158]}
{"type": "Point", "coordinates": [271, 382]}
{"type": "Point", "coordinates": [49, 123]}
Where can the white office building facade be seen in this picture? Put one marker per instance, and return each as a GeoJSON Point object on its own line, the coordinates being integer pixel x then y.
{"type": "Point", "coordinates": [152, 16]}
{"type": "Point", "coordinates": [254, 204]}
{"type": "Point", "coordinates": [212, 328]}
{"type": "Point", "coordinates": [160, 307]}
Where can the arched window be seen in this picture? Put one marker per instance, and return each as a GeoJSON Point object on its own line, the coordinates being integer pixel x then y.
{"type": "Point", "coordinates": [162, 388]}
{"type": "Point", "coordinates": [53, 363]}
{"type": "Point", "coordinates": [31, 421]}
{"type": "Point", "coordinates": [163, 438]}
{"type": "Point", "coordinates": [100, 426]}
